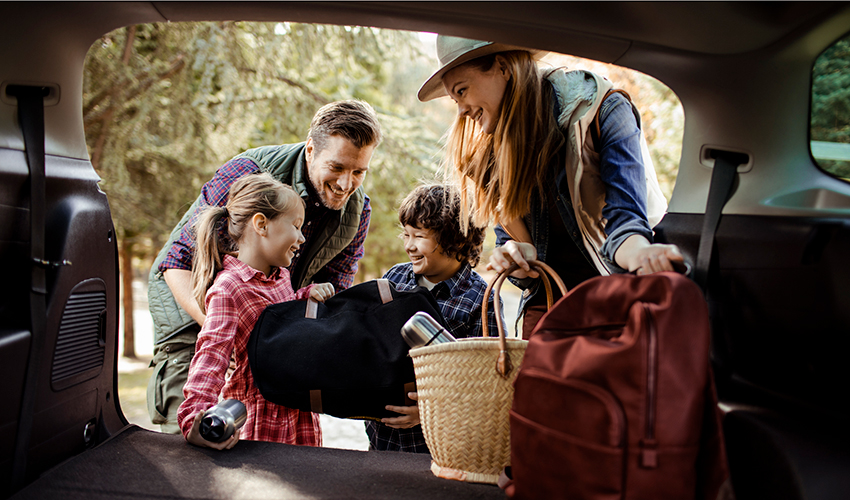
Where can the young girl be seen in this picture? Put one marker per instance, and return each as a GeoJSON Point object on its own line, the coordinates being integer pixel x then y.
{"type": "Point", "coordinates": [263, 217]}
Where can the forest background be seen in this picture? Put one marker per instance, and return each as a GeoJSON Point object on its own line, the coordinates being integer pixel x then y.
{"type": "Point", "coordinates": [166, 104]}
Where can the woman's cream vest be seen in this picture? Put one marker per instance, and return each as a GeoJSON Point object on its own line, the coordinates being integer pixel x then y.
{"type": "Point", "coordinates": [579, 95]}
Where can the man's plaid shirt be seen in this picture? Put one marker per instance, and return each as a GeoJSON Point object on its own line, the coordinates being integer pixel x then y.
{"type": "Point", "coordinates": [460, 299]}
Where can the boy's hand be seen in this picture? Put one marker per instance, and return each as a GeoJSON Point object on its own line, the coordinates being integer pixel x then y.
{"type": "Point", "coordinates": [410, 414]}
{"type": "Point", "coordinates": [322, 292]}
{"type": "Point", "coordinates": [194, 437]}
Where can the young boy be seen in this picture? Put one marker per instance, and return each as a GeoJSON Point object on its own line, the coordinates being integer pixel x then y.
{"type": "Point", "coordinates": [441, 260]}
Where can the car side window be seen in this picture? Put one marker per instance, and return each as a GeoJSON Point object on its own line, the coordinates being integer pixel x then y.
{"type": "Point", "coordinates": [830, 125]}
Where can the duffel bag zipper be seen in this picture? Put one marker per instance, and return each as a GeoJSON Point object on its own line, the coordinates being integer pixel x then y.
{"type": "Point", "coordinates": [648, 445]}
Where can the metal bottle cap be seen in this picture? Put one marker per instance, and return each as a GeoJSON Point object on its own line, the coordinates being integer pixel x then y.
{"type": "Point", "coordinates": [422, 330]}
{"type": "Point", "coordinates": [222, 420]}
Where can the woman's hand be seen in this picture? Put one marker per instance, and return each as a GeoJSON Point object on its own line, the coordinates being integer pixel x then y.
{"type": "Point", "coordinates": [194, 436]}
{"type": "Point", "coordinates": [410, 414]}
{"type": "Point", "coordinates": [642, 257]}
{"type": "Point", "coordinates": [514, 253]}
{"type": "Point", "coordinates": [322, 292]}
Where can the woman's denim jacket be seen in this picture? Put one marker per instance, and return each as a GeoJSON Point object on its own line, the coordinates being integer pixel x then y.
{"type": "Point", "coordinates": [621, 170]}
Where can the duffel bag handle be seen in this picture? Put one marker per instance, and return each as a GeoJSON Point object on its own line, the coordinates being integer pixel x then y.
{"type": "Point", "coordinates": [312, 309]}
{"type": "Point", "coordinates": [503, 363]}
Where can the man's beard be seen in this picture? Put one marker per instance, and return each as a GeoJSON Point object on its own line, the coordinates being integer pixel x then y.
{"type": "Point", "coordinates": [332, 203]}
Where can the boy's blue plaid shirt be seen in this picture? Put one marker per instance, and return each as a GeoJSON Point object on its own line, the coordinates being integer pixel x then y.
{"type": "Point", "coordinates": [460, 298]}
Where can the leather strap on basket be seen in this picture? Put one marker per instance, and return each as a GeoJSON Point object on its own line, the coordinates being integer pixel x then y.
{"type": "Point", "coordinates": [384, 291]}
{"type": "Point", "coordinates": [503, 362]}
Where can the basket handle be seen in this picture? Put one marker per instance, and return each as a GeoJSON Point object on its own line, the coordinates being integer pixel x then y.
{"type": "Point", "coordinates": [503, 363]}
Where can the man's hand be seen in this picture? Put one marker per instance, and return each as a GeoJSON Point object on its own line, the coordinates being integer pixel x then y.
{"type": "Point", "coordinates": [410, 414]}
{"type": "Point", "coordinates": [194, 436]}
{"type": "Point", "coordinates": [180, 283]}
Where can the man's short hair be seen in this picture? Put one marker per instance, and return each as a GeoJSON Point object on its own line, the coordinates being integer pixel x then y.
{"type": "Point", "coordinates": [437, 207]}
{"type": "Point", "coordinates": [352, 119]}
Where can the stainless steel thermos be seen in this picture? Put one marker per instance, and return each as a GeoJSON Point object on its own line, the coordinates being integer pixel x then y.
{"type": "Point", "coordinates": [222, 420]}
{"type": "Point", "coordinates": [421, 330]}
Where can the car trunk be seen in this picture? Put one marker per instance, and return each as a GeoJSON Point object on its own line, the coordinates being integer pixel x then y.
{"type": "Point", "coordinates": [138, 463]}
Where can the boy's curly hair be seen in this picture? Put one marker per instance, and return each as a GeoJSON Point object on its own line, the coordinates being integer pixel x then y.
{"type": "Point", "coordinates": [437, 207]}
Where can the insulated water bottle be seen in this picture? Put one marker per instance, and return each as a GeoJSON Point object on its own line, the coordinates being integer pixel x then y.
{"type": "Point", "coordinates": [422, 330]}
{"type": "Point", "coordinates": [222, 420]}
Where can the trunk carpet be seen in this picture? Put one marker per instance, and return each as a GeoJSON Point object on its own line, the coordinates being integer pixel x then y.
{"type": "Point", "coordinates": [139, 464]}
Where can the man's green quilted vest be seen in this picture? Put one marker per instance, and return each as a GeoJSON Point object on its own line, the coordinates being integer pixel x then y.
{"type": "Point", "coordinates": [285, 163]}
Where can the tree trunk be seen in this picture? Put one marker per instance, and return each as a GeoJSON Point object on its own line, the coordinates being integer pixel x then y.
{"type": "Point", "coordinates": [126, 256]}
{"type": "Point", "coordinates": [113, 105]}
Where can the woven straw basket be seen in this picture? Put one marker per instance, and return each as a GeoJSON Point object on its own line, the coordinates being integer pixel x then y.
{"type": "Point", "coordinates": [465, 393]}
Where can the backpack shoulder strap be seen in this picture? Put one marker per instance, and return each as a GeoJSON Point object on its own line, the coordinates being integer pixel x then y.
{"type": "Point", "coordinates": [595, 129]}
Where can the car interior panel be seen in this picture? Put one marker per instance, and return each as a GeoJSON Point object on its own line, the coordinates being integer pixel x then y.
{"type": "Point", "coordinates": [778, 285]}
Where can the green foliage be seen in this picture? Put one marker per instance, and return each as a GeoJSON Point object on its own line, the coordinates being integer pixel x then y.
{"type": "Point", "coordinates": [166, 104]}
{"type": "Point", "coordinates": [831, 102]}
{"type": "Point", "coordinates": [838, 168]}
{"type": "Point", "coordinates": [831, 94]}
{"type": "Point", "coordinates": [147, 139]}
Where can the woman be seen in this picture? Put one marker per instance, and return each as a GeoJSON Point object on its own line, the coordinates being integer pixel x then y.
{"type": "Point", "coordinates": [522, 151]}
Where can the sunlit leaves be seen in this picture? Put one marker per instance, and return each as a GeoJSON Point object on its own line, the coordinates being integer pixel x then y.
{"type": "Point", "coordinates": [162, 113]}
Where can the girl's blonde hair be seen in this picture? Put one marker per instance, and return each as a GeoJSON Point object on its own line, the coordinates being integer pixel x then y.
{"type": "Point", "coordinates": [498, 173]}
{"type": "Point", "coordinates": [251, 194]}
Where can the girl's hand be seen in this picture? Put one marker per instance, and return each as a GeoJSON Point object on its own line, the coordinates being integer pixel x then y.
{"type": "Point", "coordinates": [410, 414]}
{"type": "Point", "coordinates": [322, 292]}
{"type": "Point", "coordinates": [512, 252]}
{"type": "Point", "coordinates": [194, 437]}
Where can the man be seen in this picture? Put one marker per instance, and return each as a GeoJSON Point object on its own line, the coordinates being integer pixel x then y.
{"type": "Point", "coordinates": [327, 171]}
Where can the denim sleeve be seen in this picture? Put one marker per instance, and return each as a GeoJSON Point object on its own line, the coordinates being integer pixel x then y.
{"type": "Point", "coordinates": [622, 170]}
{"type": "Point", "coordinates": [502, 236]}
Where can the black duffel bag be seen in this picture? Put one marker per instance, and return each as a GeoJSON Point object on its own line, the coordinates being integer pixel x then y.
{"type": "Point", "coordinates": [345, 357]}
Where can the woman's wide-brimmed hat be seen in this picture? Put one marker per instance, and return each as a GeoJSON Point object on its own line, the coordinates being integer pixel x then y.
{"type": "Point", "coordinates": [453, 51]}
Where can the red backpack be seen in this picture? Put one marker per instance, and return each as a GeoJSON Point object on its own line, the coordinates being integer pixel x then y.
{"type": "Point", "coordinates": [615, 397]}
